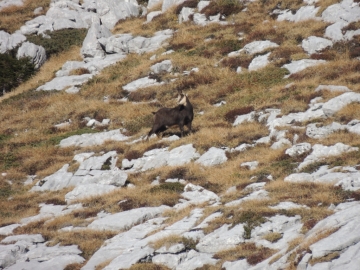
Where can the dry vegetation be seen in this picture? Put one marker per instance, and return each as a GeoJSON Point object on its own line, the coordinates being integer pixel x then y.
{"type": "Point", "coordinates": [28, 140]}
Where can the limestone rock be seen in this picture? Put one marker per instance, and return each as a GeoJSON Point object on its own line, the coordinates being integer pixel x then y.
{"type": "Point", "coordinates": [85, 140]}
{"type": "Point", "coordinates": [214, 156]}
{"type": "Point", "coordinates": [127, 219]}
{"type": "Point", "coordinates": [314, 44]}
{"type": "Point", "coordinates": [164, 66]}
{"type": "Point", "coordinates": [111, 11]}
{"type": "Point", "coordinates": [300, 65]}
{"type": "Point", "coordinates": [36, 53]}
{"type": "Point", "coordinates": [303, 14]}
{"type": "Point", "coordinates": [298, 149]}
{"type": "Point", "coordinates": [86, 191]}
{"type": "Point", "coordinates": [259, 62]}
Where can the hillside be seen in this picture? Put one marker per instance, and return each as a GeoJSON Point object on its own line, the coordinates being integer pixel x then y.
{"type": "Point", "coordinates": [268, 177]}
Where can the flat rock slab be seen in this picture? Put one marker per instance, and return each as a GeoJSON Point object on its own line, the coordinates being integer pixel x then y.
{"type": "Point", "coordinates": [123, 242]}
{"type": "Point", "coordinates": [60, 83]}
{"type": "Point", "coordinates": [255, 47]}
{"type": "Point", "coordinates": [348, 178]}
{"type": "Point", "coordinates": [162, 157]}
{"type": "Point", "coordinates": [297, 66]}
{"type": "Point", "coordinates": [92, 139]}
{"type": "Point", "coordinates": [127, 219]}
{"type": "Point", "coordinates": [344, 240]}
{"type": "Point", "coordinates": [214, 156]}
{"type": "Point", "coordinates": [221, 239]}
{"type": "Point", "coordinates": [87, 191]}
{"type": "Point", "coordinates": [288, 227]}
{"type": "Point", "coordinates": [314, 44]}
{"type": "Point", "coordinates": [303, 14]}
{"type": "Point", "coordinates": [320, 152]}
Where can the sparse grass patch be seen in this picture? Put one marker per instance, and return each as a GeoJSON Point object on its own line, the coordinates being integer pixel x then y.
{"type": "Point", "coordinates": [224, 7]}
{"type": "Point", "coordinates": [327, 258]}
{"type": "Point", "coordinates": [248, 251]}
{"type": "Point", "coordinates": [148, 266]}
{"type": "Point", "coordinates": [272, 237]}
{"type": "Point", "coordinates": [88, 241]}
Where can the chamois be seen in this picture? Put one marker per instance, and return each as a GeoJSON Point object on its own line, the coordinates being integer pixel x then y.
{"type": "Point", "coordinates": [180, 115]}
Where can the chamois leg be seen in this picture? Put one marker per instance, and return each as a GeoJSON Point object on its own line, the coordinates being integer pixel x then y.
{"type": "Point", "coordinates": [181, 126]}
{"type": "Point", "coordinates": [188, 125]}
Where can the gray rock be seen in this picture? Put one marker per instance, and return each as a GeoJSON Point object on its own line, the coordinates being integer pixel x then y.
{"type": "Point", "coordinates": [127, 219]}
{"type": "Point", "coordinates": [56, 181]}
{"type": "Point", "coordinates": [256, 195]}
{"type": "Point", "coordinates": [321, 151]}
{"type": "Point", "coordinates": [170, 3]}
{"type": "Point", "coordinates": [111, 12]}
{"type": "Point", "coordinates": [195, 260]}
{"type": "Point", "coordinates": [303, 14]}
{"type": "Point", "coordinates": [177, 248]}
{"type": "Point", "coordinates": [202, 4]}
{"type": "Point", "coordinates": [91, 47]}
{"type": "Point", "coordinates": [81, 192]}
{"type": "Point", "coordinates": [126, 260]}
{"type": "Point", "coordinates": [288, 227]}
{"type": "Point", "coordinates": [85, 140]}
{"type": "Point", "coordinates": [197, 195]}
{"type": "Point", "coordinates": [250, 117]}
{"type": "Point", "coordinates": [118, 43]}
{"type": "Point", "coordinates": [141, 83]}
{"type": "Point", "coordinates": [170, 260]}
{"type": "Point", "coordinates": [298, 149]}
{"type": "Point", "coordinates": [251, 165]}
{"type": "Point", "coordinates": [315, 132]}
{"type": "Point", "coordinates": [346, 219]}
{"type": "Point", "coordinates": [314, 44]}
{"type": "Point", "coordinates": [339, 102]}
{"type": "Point", "coordinates": [237, 265]}
{"type": "Point", "coordinates": [297, 66]}
{"type": "Point", "coordinates": [28, 238]}
{"type": "Point", "coordinates": [346, 11]}
{"type": "Point", "coordinates": [334, 31]}
{"type": "Point", "coordinates": [123, 242]}
{"type": "Point", "coordinates": [185, 14]}
{"type": "Point", "coordinates": [60, 83]}
{"type": "Point", "coordinates": [332, 88]}
{"type": "Point", "coordinates": [223, 238]}
{"type": "Point", "coordinates": [7, 230]}
{"type": "Point", "coordinates": [255, 47]}
{"type": "Point", "coordinates": [164, 66]}
{"type": "Point", "coordinates": [214, 156]}
{"type": "Point", "coordinates": [8, 3]}
{"type": "Point", "coordinates": [38, 10]}
{"type": "Point", "coordinates": [287, 206]}
{"type": "Point", "coordinates": [259, 62]}
{"type": "Point", "coordinates": [36, 53]}
{"type": "Point", "coordinates": [282, 143]}
{"type": "Point", "coordinates": [151, 15]}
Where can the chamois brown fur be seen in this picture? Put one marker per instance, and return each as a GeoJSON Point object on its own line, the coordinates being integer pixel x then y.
{"type": "Point", "coordinates": [180, 115]}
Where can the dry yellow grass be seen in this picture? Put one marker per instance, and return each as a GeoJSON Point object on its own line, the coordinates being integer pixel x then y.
{"type": "Point", "coordinates": [13, 17]}
{"type": "Point", "coordinates": [28, 118]}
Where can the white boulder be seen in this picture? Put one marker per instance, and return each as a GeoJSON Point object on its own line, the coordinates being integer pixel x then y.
{"type": "Point", "coordinates": [36, 53]}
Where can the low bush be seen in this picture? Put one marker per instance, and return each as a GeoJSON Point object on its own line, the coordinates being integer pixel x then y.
{"type": "Point", "coordinates": [59, 41]}
{"type": "Point", "coordinates": [14, 71]}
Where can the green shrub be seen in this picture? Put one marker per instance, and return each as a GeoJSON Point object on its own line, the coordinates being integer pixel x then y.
{"type": "Point", "coordinates": [60, 40]}
{"type": "Point", "coordinates": [173, 187]}
{"type": "Point", "coordinates": [14, 71]}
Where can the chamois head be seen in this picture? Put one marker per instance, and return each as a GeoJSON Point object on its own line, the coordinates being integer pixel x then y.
{"type": "Point", "coordinates": [182, 98]}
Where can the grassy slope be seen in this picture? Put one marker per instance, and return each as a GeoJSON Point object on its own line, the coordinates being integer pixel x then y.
{"type": "Point", "coordinates": [28, 139]}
